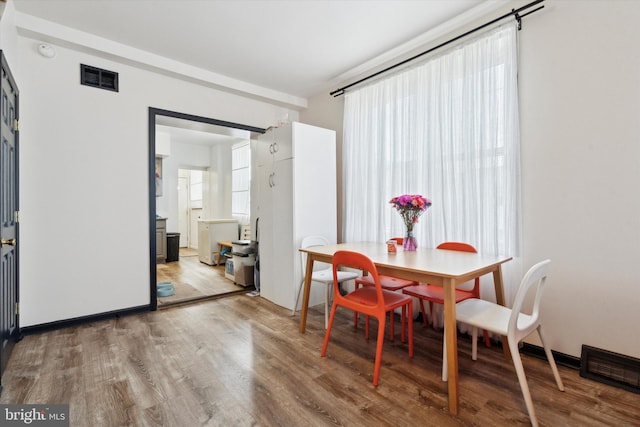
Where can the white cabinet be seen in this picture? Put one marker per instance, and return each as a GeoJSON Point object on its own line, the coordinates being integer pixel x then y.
{"type": "Point", "coordinates": [295, 192]}
{"type": "Point", "coordinates": [275, 145]}
{"type": "Point", "coordinates": [210, 233]}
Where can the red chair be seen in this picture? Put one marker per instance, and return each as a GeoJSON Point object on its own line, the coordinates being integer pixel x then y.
{"type": "Point", "coordinates": [435, 294]}
{"type": "Point", "coordinates": [387, 282]}
{"type": "Point", "coordinates": [370, 301]}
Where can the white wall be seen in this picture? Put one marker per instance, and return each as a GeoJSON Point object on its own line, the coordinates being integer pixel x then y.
{"type": "Point", "coordinates": [9, 36]}
{"type": "Point", "coordinates": [84, 179]}
{"type": "Point", "coordinates": [579, 106]}
{"type": "Point", "coordinates": [580, 101]}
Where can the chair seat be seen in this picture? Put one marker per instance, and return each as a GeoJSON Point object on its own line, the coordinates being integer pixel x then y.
{"type": "Point", "coordinates": [387, 282]}
{"type": "Point", "coordinates": [491, 316]}
{"type": "Point", "coordinates": [435, 293]}
{"type": "Point", "coordinates": [367, 296]}
{"type": "Point", "coordinates": [326, 276]}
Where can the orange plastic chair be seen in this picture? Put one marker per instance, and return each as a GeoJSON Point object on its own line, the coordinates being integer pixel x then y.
{"type": "Point", "coordinates": [370, 301]}
{"type": "Point", "coordinates": [435, 294]}
{"type": "Point", "coordinates": [387, 282]}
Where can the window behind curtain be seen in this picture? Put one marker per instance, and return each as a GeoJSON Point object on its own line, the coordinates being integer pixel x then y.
{"type": "Point", "coordinates": [447, 129]}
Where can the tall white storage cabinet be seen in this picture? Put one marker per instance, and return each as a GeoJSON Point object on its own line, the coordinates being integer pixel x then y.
{"type": "Point", "coordinates": [296, 197]}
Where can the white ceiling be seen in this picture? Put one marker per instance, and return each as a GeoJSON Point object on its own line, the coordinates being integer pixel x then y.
{"type": "Point", "coordinates": [297, 47]}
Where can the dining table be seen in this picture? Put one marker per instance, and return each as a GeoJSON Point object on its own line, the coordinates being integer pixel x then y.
{"type": "Point", "coordinates": [446, 268]}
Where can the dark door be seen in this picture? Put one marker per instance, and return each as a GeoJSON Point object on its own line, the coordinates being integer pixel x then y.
{"type": "Point", "coordinates": [9, 330]}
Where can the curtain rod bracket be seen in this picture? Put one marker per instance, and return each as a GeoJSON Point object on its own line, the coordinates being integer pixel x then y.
{"type": "Point", "coordinates": [518, 18]}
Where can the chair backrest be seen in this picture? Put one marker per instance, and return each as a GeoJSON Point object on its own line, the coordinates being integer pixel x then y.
{"type": "Point", "coordinates": [457, 246]}
{"type": "Point", "coordinates": [463, 247]}
{"type": "Point", "coordinates": [536, 278]}
{"type": "Point", "coordinates": [309, 242]}
{"type": "Point", "coordinates": [365, 264]}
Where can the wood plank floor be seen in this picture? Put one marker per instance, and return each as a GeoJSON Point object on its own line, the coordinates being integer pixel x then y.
{"type": "Point", "coordinates": [240, 361]}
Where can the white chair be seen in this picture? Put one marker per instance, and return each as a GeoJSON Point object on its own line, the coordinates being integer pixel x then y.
{"type": "Point", "coordinates": [514, 324]}
{"type": "Point", "coordinates": [322, 273]}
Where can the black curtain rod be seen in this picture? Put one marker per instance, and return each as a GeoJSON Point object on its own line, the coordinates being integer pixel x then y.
{"type": "Point", "coordinates": [514, 12]}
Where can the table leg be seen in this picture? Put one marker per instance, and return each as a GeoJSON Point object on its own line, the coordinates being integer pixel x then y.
{"type": "Point", "coordinates": [305, 295]}
{"type": "Point", "coordinates": [451, 338]}
{"type": "Point", "coordinates": [499, 287]}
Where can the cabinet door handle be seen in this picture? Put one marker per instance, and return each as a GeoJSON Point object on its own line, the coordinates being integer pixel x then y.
{"type": "Point", "coordinates": [272, 182]}
{"type": "Point", "coordinates": [275, 147]}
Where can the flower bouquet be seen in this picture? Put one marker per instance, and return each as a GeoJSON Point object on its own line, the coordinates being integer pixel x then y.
{"type": "Point", "coordinates": [410, 206]}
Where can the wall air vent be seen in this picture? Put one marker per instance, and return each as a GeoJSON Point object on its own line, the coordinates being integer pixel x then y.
{"type": "Point", "coordinates": [97, 77]}
{"type": "Point", "coordinates": [610, 368]}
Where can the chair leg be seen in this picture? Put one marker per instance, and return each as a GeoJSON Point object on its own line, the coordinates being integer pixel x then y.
{"type": "Point", "coordinates": [551, 360]}
{"type": "Point", "coordinates": [295, 307]}
{"type": "Point", "coordinates": [424, 313]}
{"type": "Point", "coordinates": [433, 318]}
{"type": "Point", "coordinates": [410, 323]}
{"type": "Point", "coordinates": [366, 327]}
{"type": "Point", "coordinates": [392, 331]}
{"type": "Point", "coordinates": [474, 343]}
{"type": "Point", "coordinates": [391, 327]}
{"type": "Point", "coordinates": [487, 341]}
{"type": "Point", "coordinates": [378, 361]}
{"type": "Point", "coordinates": [323, 353]}
{"type": "Point", "coordinates": [355, 313]}
{"type": "Point", "coordinates": [522, 379]}
{"type": "Point", "coordinates": [403, 319]}
{"type": "Point", "coordinates": [326, 304]}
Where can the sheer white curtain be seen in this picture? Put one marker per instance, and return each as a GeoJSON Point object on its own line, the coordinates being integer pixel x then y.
{"type": "Point", "coordinates": [447, 129]}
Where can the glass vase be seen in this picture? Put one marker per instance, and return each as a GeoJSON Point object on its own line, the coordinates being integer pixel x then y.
{"type": "Point", "coordinates": [410, 243]}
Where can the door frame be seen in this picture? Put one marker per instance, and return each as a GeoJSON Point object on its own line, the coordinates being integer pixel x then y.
{"type": "Point", "coordinates": [14, 310]}
{"type": "Point", "coordinates": [154, 113]}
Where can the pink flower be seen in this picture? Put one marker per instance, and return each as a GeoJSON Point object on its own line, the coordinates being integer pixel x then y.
{"type": "Point", "coordinates": [410, 206]}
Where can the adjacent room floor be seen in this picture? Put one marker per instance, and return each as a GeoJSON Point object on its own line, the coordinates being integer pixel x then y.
{"type": "Point", "coordinates": [194, 280]}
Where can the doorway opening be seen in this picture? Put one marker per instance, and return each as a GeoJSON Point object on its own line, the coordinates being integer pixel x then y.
{"type": "Point", "coordinates": [164, 193]}
{"type": "Point", "coordinates": [191, 199]}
